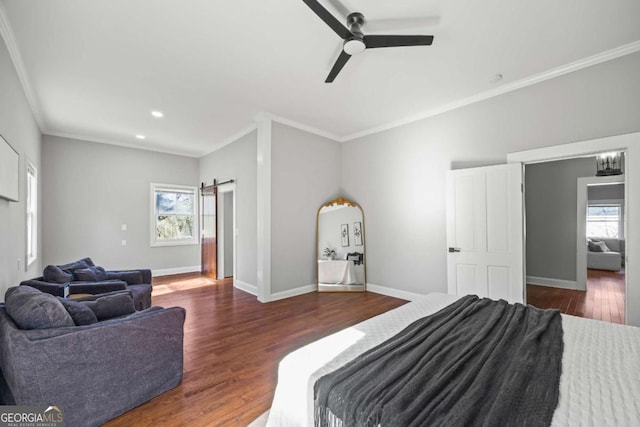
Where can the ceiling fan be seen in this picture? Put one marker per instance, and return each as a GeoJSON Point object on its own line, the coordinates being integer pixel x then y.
{"type": "Point", "coordinates": [355, 41]}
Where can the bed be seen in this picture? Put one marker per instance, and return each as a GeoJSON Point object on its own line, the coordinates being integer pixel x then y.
{"type": "Point", "coordinates": [599, 384]}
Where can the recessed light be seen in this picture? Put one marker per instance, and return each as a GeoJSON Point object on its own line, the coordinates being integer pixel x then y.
{"type": "Point", "coordinates": [157, 114]}
{"type": "Point", "coordinates": [140, 136]}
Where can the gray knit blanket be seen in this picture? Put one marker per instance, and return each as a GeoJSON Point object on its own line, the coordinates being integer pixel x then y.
{"type": "Point", "coordinates": [477, 362]}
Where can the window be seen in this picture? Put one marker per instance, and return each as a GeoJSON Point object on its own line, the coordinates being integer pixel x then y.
{"type": "Point", "coordinates": [32, 214]}
{"type": "Point", "coordinates": [174, 220]}
{"type": "Point", "coordinates": [604, 220]}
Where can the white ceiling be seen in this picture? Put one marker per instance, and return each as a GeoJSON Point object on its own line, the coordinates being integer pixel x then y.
{"type": "Point", "coordinates": [96, 68]}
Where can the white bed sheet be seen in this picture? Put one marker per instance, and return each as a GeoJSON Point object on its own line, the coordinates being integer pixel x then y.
{"type": "Point", "coordinates": [599, 385]}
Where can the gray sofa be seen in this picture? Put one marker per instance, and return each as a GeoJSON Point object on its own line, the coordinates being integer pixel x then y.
{"type": "Point", "coordinates": [612, 260]}
{"type": "Point", "coordinates": [93, 373]}
{"type": "Point", "coordinates": [64, 281]}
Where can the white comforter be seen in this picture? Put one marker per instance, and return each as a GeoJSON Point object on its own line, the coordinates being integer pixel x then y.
{"type": "Point", "coordinates": [599, 386]}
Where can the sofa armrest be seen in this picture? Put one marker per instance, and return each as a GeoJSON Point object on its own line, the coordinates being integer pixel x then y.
{"type": "Point", "coordinates": [135, 358]}
{"type": "Point", "coordinates": [100, 287]}
{"type": "Point", "coordinates": [118, 274]}
{"type": "Point", "coordinates": [56, 289]}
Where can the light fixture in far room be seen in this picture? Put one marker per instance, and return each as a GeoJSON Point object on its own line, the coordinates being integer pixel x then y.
{"type": "Point", "coordinates": [157, 114]}
{"type": "Point", "coordinates": [140, 136]}
{"type": "Point", "coordinates": [608, 164]}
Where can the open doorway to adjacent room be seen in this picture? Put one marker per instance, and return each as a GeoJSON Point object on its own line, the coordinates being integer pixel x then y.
{"type": "Point", "coordinates": [218, 235]}
{"type": "Point", "coordinates": [575, 242]}
{"type": "Point", "coordinates": [226, 231]}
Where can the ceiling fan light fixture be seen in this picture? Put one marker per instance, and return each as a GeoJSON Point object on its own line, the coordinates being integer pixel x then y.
{"type": "Point", "coordinates": [354, 46]}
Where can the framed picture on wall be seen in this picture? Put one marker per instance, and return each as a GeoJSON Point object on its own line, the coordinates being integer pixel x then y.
{"type": "Point", "coordinates": [357, 233]}
{"type": "Point", "coordinates": [344, 234]}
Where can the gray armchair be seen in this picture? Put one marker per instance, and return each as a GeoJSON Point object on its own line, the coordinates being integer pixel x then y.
{"type": "Point", "coordinates": [62, 281]}
{"type": "Point", "coordinates": [96, 372]}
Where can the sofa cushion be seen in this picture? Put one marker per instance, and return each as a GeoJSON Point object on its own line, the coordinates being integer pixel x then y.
{"type": "Point", "coordinates": [31, 309]}
{"type": "Point", "coordinates": [54, 274]}
{"type": "Point", "coordinates": [79, 312]}
{"type": "Point", "coordinates": [90, 274]}
{"type": "Point", "coordinates": [131, 277]}
{"type": "Point", "coordinates": [111, 306]}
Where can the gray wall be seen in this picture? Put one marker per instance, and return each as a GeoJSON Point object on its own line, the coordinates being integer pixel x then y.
{"type": "Point", "coordinates": [305, 173]}
{"type": "Point", "coordinates": [91, 189]}
{"type": "Point", "coordinates": [238, 161]}
{"type": "Point", "coordinates": [550, 202]}
{"type": "Point", "coordinates": [19, 128]}
{"type": "Point", "coordinates": [398, 176]}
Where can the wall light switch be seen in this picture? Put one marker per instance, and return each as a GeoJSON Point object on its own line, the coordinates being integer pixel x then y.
{"type": "Point", "coordinates": [124, 227]}
{"type": "Point", "coordinates": [124, 243]}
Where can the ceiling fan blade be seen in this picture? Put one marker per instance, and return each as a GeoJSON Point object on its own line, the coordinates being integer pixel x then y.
{"type": "Point", "coordinates": [329, 19]}
{"type": "Point", "coordinates": [394, 41]}
{"type": "Point", "coordinates": [342, 59]}
{"type": "Point", "coordinates": [402, 25]}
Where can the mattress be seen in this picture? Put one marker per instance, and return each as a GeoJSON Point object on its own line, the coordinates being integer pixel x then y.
{"type": "Point", "coordinates": [599, 385]}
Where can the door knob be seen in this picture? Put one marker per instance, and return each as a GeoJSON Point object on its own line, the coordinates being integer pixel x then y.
{"type": "Point", "coordinates": [454, 249]}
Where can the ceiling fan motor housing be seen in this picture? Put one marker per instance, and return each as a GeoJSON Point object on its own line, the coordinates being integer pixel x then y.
{"type": "Point", "coordinates": [355, 44]}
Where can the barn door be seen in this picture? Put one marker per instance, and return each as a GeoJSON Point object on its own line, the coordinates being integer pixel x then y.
{"type": "Point", "coordinates": [209, 245]}
{"type": "Point", "coordinates": [485, 232]}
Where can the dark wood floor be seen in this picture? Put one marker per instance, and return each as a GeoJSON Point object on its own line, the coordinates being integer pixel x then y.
{"type": "Point", "coordinates": [603, 300]}
{"type": "Point", "coordinates": [232, 346]}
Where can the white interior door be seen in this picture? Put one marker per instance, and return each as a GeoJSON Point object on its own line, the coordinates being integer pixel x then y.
{"type": "Point", "coordinates": [485, 232]}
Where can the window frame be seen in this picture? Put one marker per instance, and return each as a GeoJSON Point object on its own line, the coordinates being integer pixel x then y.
{"type": "Point", "coordinates": [153, 240]}
{"type": "Point", "coordinates": [31, 214]}
{"type": "Point", "coordinates": [619, 203]}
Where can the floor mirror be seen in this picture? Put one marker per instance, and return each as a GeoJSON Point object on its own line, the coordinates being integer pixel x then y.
{"type": "Point", "coordinates": [340, 250]}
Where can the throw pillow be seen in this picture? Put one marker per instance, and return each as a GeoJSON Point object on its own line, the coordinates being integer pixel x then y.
{"type": "Point", "coordinates": [90, 274]}
{"type": "Point", "coordinates": [54, 274]}
{"type": "Point", "coordinates": [76, 265]}
{"type": "Point", "coordinates": [79, 312]}
{"type": "Point", "coordinates": [31, 309]}
{"type": "Point", "coordinates": [111, 306]}
{"type": "Point", "coordinates": [595, 246]}
{"type": "Point", "coordinates": [131, 277]}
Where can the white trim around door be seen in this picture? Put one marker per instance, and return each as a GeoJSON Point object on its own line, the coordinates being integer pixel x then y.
{"type": "Point", "coordinates": [630, 144]}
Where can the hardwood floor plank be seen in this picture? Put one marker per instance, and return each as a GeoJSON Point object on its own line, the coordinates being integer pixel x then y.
{"type": "Point", "coordinates": [233, 344]}
{"type": "Point", "coordinates": [603, 300]}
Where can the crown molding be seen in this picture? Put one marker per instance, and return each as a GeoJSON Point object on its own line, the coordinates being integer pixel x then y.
{"type": "Point", "coordinates": [137, 146]}
{"type": "Point", "coordinates": [599, 58]}
{"type": "Point", "coordinates": [236, 136]}
{"type": "Point", "coordinates": [301, 126]}
{"type": "Point", "coordinates": [7, 34]}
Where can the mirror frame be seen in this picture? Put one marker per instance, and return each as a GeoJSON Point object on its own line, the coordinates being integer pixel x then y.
{"type": "Point", "coordinates": [347, 202]}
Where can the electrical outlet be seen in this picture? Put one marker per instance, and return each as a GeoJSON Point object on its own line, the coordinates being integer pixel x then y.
{"type": "Point", "coordinates": [124, 227]}
{"type": "Point", "coordinates": [124, 243]}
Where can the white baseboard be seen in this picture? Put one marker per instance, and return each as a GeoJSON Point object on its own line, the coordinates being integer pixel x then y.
{"type": "Point", "coordinates": [396, 293]}
{"type": "Point", "coordinates": [553, 283]}
{"type": "Point", "coordinates": [293, 292]}
{"type": "Point", "coordinates": [244, 286]}
{"type": "Point", "coordinates": [177, 270]}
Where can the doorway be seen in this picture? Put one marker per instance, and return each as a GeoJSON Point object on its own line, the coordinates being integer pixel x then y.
{"type": "Point", "coordinates": [565, 205]}
{"type": "Point", "coordinates": [209, 233]}
{"type": "Point", "coordinates": [218, 235]}
{"type": "Point", "coordinates": [226, 241]}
